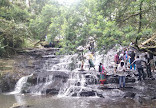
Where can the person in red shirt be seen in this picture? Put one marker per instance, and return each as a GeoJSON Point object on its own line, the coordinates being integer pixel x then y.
{"type": "Point", "coordinates": [116, 60]}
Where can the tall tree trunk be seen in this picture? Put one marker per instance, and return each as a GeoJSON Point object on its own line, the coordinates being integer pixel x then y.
{"type": "Point", "coordinates": [140, 23]}
{"type": "Point", "coordinates": [140, 17]}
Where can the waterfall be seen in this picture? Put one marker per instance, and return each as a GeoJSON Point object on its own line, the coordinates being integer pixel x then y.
{"type": "Point", "coordinates": [78, 84]}
{"type": "Point", "coordinates": [20, 84]}
{"type": "Point", "coordinates": [62, 75]}
{"type": "Point", "coordinates": [42, 86]}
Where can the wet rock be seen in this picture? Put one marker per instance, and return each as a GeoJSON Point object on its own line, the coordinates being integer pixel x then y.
{"type": "Point", "coordinates": [87, 93]}
{"type": "Point", "coordinates": [74, 95]}
{"type": "Point", "coordinates": [130, 80]}
{"type": "Point", "coordinates": [112, 80]}
{"type": "Point", "coordinates": [152, 78]}
{"type": "Point", "coordinates": [115, 79]}
{"type": "Point", "coordinates": [32, 80]}
{"type": "Point", "coordinates": [7, 83]}
{"type": "Point", "coordinates": [153, 98]}
{"type": "Point", "coordinates": [90, 80]}
{"type": "Point", "coordinates": [129, 95]}
{"type": "Point", "coordinates": [16, 105]}
{"type": "Point", "coordinates": [108, 87]}
{"type": "Point", "coordinates": [100, 95]}
{"type": "Point", "coordinates": [0, 90]}
{"type": "Point", "coordinates": [52, 91]}
{"type": "Point", "coordinates": [141, 100]}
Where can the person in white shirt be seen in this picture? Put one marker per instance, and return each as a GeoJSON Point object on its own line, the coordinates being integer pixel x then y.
{"type": "Point", "coordinates": [122, 74]}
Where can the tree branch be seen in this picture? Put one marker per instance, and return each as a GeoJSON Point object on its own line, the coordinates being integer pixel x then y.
{"type": "Point", "coordinates": [136, 14]}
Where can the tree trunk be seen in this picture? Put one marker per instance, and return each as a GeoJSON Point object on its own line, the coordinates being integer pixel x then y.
{"type": "Point", "coordinates": [140, 17]}
{"type": "Point", "coordinates": [140, 24]}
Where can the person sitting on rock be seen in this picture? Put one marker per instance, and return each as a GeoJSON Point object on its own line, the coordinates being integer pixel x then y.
{"type": "Point", "coordinates": [122, 74]}
{"type": "Point", "coordinates": [102, 74]}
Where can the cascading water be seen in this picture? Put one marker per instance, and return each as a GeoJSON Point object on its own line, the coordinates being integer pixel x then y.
{"type": "Point", "coordinates": [62, 75]}
{"type": "Point", "coordinates": [74, 84]}
{"type": "Point", "coordinates": [41, 86]}
{"type": "Point", "coordinates": [66, 63]}
{"type": "Point", "coordinates": [79, 82]}
{"type": "Point", "coordinates": [20, 84]}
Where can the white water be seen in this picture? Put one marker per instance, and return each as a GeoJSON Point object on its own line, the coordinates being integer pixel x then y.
{"type": "Point", "coordinates": [77, 81]}
{"type": "Point", "coordinates": [65, 63]}
{"type": "Point", "coordinates": [20, 84]}
{"type": "Point", "coordinates": [40, 88]}
{"type": "Point", "coordinates": [106, 59]}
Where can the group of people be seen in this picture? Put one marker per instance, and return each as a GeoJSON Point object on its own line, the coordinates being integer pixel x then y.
{"type": "Point", "coordinates": [125, 61]}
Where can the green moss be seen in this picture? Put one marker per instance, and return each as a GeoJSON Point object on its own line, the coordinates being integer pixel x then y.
{"type": "Point", "coordinates": [5, 68]}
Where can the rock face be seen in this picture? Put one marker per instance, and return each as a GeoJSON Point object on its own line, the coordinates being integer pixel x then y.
{"type": "Point", "coordinates": [129, 95]}
{"type": "Point", "coordinates": [7, 83]}
{"type": "Point", "coordinates": [25, 63]}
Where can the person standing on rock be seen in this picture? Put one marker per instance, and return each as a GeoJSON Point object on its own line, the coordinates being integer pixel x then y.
{"type": "Point", "coordinates": [131, 59]}
{"type": "Point", "coordinates": [126, 58]}
{"type": "Point", "coordinates": [90, 60]}
{"type": "Point", "coordinates": [102, 74]}
{"type": "Point", "coordinates": [122, 74]}
{"type": "Point", "coordinates": [148, 66]}
{"type": "Point", "coordinates": [139, 66]}
{"type": "Point", "coordinates": [116, 60]}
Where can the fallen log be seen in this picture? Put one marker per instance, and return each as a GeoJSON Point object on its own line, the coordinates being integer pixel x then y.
{"type": "Point", "coordinates": [148, 40]}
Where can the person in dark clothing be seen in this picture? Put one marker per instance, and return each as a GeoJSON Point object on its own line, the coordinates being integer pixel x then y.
{"type": "Point", "coordinates": [50, 44]}
{"type": "Point", "coordinates": [148, 66]}
{"type": "Point", "coordinates": [139, 66]}
{"type": "Point", "coordinates": [91, 46]}
{"type": "Point", "coordinates": [132, 58]}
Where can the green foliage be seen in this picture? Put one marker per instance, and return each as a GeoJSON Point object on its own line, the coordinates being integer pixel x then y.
{"type": "Point", "coordinates": [39, 26]}
{"type": "Point", "coordinates": [13, 28]}
{"type": "Point", "coordinates": [11, 36]}
{"type": "Point", "coordinates": [108, 22]}
{"type": "Point", "coordinates": [4, 3]}
{"type": "Point", "coordinates": [111, 36]}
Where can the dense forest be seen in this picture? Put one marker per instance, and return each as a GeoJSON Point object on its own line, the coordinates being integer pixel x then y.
{"type": "Point", "coordinates": [24, 23]}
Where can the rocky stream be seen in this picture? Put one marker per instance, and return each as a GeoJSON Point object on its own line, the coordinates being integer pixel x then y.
{"type": "Point", "coordinates": [39, 78]}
